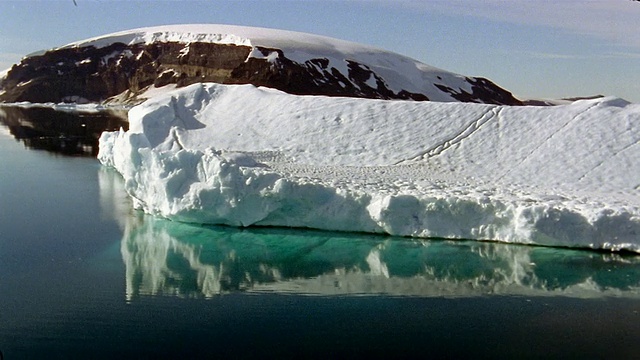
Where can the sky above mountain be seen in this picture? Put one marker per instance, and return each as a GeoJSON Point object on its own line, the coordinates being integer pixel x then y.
{"type": "Point", "coordinates": [536, 49]}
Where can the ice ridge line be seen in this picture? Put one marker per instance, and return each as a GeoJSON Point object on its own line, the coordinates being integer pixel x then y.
{"type": "Point", "coordinates": [616, 153]}
{"type": "Point", "coordinates": [463, 134]}
{"type": "Point", "coordinates": [578, 115]}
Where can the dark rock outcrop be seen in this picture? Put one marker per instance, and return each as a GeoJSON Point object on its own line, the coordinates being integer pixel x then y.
{"type": "Point", "coordinates": [90, 74]}
{"type": "Point", "coordinates": [481, 89]}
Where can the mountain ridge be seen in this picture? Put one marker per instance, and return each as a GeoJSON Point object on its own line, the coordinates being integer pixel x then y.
{"type": "Point", "coordinates": [119, 67]}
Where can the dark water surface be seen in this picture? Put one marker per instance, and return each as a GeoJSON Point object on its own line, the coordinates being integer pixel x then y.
{"type": "Point", "coordinates": [82, 275]}
{"type": "Point", "coordinates": [69, 132]}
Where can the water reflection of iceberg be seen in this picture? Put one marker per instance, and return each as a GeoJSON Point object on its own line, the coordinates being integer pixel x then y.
{"type": "Point", "coordinates": [170, 258]}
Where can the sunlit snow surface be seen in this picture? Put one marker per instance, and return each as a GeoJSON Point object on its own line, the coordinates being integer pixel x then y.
{"type": "Point", "coordinates": [3, 74]}
{"type": "Point", "coordinates": [240, 155]}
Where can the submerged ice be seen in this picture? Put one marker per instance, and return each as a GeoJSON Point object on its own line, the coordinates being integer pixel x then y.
{"type": "Point", "coordinates": [241, 155]}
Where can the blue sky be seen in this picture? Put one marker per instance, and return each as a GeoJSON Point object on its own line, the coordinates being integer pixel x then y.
{"type": "Point", "coordinates": [541, 49]}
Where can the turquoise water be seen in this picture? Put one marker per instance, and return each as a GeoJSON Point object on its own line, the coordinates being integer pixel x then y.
{"type": "Point", "coordinates": [164, 257]}
{"type": "Point", "coordinates": [82, 275]}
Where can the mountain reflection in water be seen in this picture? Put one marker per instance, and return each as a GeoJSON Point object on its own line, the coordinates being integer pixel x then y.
{"type": "Point", "coordinates": [69, 132]}
{"type": "Point", "coordinates": [168, 258]}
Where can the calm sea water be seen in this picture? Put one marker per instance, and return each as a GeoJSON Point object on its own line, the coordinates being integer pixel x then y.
{"type": "Point", "coordinates": [82, 275]}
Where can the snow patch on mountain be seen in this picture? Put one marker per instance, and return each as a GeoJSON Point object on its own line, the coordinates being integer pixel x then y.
{"type": "Point", "coordinates": [399, 72]}
{"type": "Point", "coordinates": [3, 75]}
{"type": "Point", "coordinates": [240, 155]}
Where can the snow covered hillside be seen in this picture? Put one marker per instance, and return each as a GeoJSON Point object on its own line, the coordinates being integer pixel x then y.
{"type": "Point", "coordinates": [240, 155]}
{"type": "Point", "coordinates": [122, 67]}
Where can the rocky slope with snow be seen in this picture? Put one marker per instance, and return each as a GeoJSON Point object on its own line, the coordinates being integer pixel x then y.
{"type": "Point", "coordinates": [122, 67]}
{"type": "Point", "coordinates": [240, 155]}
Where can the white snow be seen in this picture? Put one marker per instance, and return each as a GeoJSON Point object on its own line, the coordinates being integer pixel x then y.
{"type": "Point", "coordinates": [271, 57]}
{"type": "Point", "coordinates": [24, 83]}
{"type": "Point", "coordinates": [82, 106]}
{"type": "Point", "coordinates": [372, 82]}
{"type": "Point", "coordinates": [185, 50]}
{"type": "Point", "coordinates": [85, 61]}
{"type": "Point", "coordinates": [399, 72]}
{"type": "Point", "coordinates": [241, 155]}
{"type": "Point", "coordinates": [3, 75]}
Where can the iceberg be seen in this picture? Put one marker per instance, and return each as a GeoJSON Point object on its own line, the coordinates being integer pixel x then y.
{"type": "Point", "coordinates": [242, 155]}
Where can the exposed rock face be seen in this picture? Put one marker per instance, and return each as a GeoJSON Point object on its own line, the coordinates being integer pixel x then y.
{"type": "Point", "coordinates": [90, 74]}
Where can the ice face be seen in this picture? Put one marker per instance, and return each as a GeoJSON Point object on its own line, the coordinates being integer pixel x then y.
{"type": "Point", "coordinates": [240, 155]}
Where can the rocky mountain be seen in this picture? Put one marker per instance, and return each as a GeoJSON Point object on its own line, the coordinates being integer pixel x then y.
{"type": "Point", "coordinates": [126, 67]}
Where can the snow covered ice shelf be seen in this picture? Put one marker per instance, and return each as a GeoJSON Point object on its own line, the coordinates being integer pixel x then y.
{"type": "Point", "coordinates": [240, 155]}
